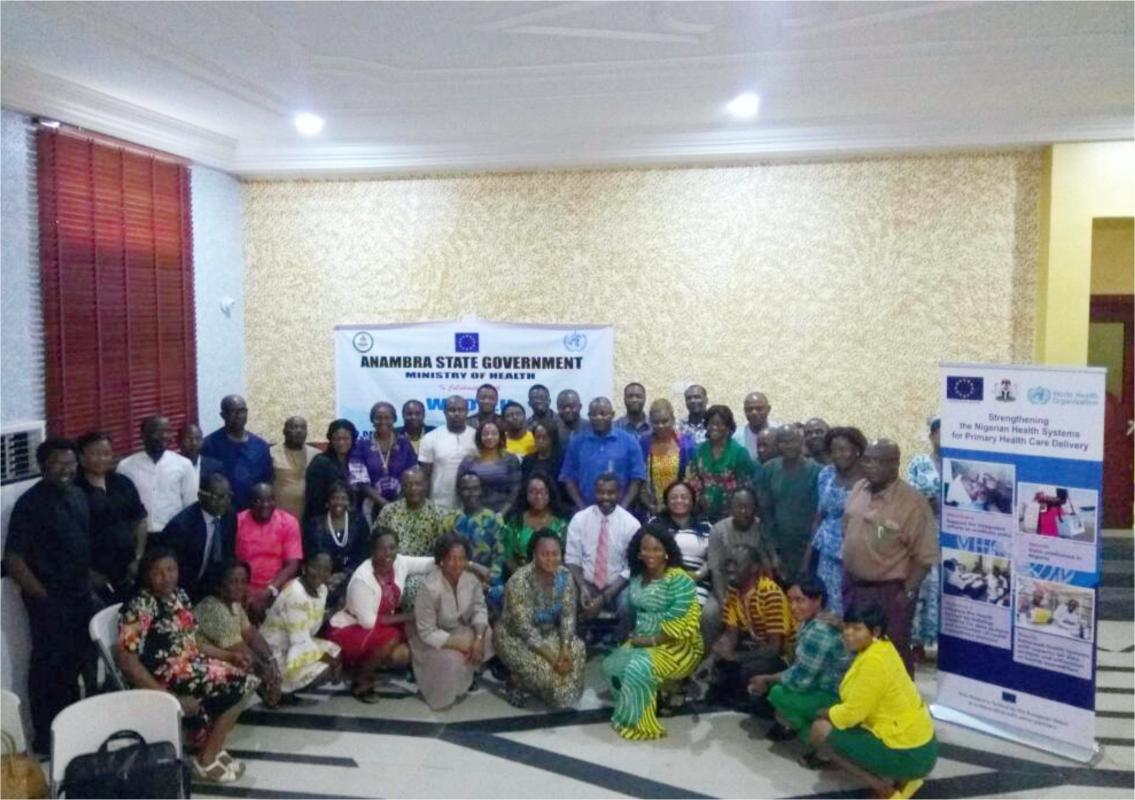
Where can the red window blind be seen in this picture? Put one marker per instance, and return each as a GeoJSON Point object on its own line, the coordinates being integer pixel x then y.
{"type": "Point", "coordinates": [116, 257]}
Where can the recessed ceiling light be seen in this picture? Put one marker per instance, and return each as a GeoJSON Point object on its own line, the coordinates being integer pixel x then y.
{"type": "Point", "coordinates": [744, 106]}
{"type": "Point", "coordinates": [308, 124]}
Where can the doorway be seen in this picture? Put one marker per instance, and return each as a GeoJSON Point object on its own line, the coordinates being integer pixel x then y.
{"type": "Point", "coordinates": [1111, 343]}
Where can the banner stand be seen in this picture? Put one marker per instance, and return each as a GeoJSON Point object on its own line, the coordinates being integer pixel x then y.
{"type": "Point", "coordinates": [1021, 468]}
{"type": "Point", "coordinates": [1009, 733]}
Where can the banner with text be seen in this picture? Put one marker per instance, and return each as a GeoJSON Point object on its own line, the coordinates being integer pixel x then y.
{"type": "Point", "coordinates": [430, 361]}
{"type": "Point", "coordinates": [1022, 470]}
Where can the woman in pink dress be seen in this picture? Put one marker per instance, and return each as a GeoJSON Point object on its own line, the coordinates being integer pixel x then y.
{"type": "Point", "coordinates": [1048, 522]}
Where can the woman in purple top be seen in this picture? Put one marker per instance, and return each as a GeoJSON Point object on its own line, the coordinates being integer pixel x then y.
{"type": "Point", "coordinates": [498, 469]}
{"type": "Point", "coordinates": [377, 463]}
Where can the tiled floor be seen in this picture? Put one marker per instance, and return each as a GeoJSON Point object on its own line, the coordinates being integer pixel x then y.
{"type": "Point", "coordinates": [333, 746]}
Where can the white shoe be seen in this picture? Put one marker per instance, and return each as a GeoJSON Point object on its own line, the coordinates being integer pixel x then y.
{"type": "Point", "coordinates": [217, 772]}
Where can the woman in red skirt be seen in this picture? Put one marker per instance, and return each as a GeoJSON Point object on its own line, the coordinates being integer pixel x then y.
{"type": "Point", "coordinates": [371, 629]}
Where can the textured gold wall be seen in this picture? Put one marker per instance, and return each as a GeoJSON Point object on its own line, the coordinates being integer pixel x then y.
{"type": "Point", "coordinates": [835, 287]}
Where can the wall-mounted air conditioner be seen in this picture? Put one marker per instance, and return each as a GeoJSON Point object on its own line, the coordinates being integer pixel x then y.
{"type": "Point", "coordinates": [18, 441]}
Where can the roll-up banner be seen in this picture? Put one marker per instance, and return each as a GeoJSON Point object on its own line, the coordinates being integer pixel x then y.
{"type": "Point", "coordinates": [430, 361]}
{"type": "Point", "coordinates": [1022, 472]}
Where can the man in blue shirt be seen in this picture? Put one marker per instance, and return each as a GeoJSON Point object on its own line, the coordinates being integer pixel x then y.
{"type": "Point", "coordinates": [244, 456]}
{"type": "Point", "coordinates": [602, 449]}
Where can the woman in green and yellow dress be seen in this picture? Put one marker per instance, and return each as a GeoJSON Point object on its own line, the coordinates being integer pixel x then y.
{"type": "Point", "coordinates": [666, 644]}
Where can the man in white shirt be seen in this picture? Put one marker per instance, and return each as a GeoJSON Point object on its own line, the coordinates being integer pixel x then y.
{"type": "Point", "coordinates": [596, 554]}
{"type": "Point", "coordinates": [757, 409]}
{"type": "Point", "coordinates": [166, 481]}
{"type": "Point", "coordinates": [442, 450]}
{"type": "Point", "coordinates": [1067, 618]}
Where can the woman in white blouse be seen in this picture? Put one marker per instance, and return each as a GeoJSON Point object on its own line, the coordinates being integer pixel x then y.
{"type": "Point", "coordinates": [369, 629]}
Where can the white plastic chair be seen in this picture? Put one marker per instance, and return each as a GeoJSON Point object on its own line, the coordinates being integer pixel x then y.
{"type": "Point", "coordinates": [103, 629]}
{"type": "Point", "coordinates": [82, 727]}
{"type": "Point", "coordinates": [10, 720]}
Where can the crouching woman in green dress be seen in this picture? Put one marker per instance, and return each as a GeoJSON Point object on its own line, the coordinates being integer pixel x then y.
{"type": "Point", "coordinates": [880, 731]}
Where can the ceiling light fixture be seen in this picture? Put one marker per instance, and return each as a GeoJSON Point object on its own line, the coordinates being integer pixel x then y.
{"type": "Point", "coordinates": [744, 106]}
{"type": "Point", "coordinates": [54, 124]}
{"type": "Point", "coordinates": [308, 124]}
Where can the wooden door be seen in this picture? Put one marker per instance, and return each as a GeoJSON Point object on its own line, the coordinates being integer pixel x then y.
{"type": "Point", "coordinates": [1111, 342]}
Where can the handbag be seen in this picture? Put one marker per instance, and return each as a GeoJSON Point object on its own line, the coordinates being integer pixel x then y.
{"type": "Point", "coordinates": [140, 769]}
{"type": "Point", "coordinates": [20, 774]}
{"type": "Point", "coordinates": [1070, 525]}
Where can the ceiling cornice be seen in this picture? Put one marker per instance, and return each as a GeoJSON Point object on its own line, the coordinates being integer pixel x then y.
{"type": "Point", "coordinates": [37, 93]}
{"type": "Point", "coordinates": [40, 94]}
{"type": "Point", "coordinates": [690, 150]}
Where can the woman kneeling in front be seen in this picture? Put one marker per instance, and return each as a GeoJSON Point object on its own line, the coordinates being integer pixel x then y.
{"type": "Point", "coordinates": [880, 730]}
{"type": "Point", "coordinates": [450, 636]}
{"type": "Point", "coordinates": [536, 637]}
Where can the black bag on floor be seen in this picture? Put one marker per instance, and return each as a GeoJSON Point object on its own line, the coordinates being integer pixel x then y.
{"type": "Point", "coordinates": [136, 770]}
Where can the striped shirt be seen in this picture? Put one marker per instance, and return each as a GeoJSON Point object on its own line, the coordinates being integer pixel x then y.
{"type": "Point", "coordinates": [761, 609]}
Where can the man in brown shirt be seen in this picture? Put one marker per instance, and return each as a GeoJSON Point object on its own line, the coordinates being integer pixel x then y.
{"type": "Point", "coordinates": [289, 466]}
{"type": "Point", "coordinates": [890, 541]}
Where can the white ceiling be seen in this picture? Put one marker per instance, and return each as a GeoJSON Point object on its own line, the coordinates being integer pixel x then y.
{"type": "Point", "coordinates": [514, 85]}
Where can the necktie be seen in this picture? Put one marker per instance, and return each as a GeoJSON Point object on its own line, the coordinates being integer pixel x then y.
{"type": "Point", "coordinates": [213, 552]}
{"type": "Point", "coordinates": [601, 554]}
{"type": "Point", "coordinates": [216, 551]}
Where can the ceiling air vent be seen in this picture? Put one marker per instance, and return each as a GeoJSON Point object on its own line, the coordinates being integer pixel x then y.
{"type": "Point", "coordinates": [18, 442]}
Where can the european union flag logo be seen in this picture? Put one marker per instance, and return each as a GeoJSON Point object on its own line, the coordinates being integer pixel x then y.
{"type": "Point", "coordinates": [964, 388]}
{"type": "Point", "coordinates": [1008, 697]}
{"type": "Point", "coordinates": [467, 342]}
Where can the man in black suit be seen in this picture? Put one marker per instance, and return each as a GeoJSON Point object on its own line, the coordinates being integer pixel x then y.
{"type": "Point", "coordinates": [203, 536]}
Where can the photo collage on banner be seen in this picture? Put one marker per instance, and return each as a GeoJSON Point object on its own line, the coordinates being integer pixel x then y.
{"type": "Point", "coordinates": [431, 361]}
{"type": "Point", "coordinates": [1022, 467]}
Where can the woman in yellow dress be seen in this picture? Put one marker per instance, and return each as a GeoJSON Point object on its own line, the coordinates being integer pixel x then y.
{"type": "Point", "coordinates": [666, 643]}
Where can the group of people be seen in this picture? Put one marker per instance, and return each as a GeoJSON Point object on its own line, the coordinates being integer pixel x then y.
{"type": "Point", "coordinates": [781, 564]}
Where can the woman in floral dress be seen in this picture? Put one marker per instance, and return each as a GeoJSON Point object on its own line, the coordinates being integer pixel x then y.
{"type": "Point", "coordinates": [536, 637]}
{"type": "Point", "coordinates": [845, 446]}
{"type": "Point", "coordinates": [158, 649]}
{"type": "Point", "coordinates": [720, 465]}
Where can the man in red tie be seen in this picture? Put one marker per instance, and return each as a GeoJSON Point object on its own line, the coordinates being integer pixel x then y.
{"type": "Point", "coordinates": [596, 554]}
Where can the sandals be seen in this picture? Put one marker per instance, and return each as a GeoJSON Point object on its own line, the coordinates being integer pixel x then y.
{"type": "Point", "coordinates": [233, 763]}
{"type": "Point", "coordinates": [907, 789]}
{"type": "Point", "coordinates": [217, 772]}
{"type": "Point", "coordinates": [670, 702]}
{"type": "Point", "coordinates": [369, 696]}
{"type": "Point", "coordinates": [812, 760]}
{"type": "Point", "coordinates": [780, 733]}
